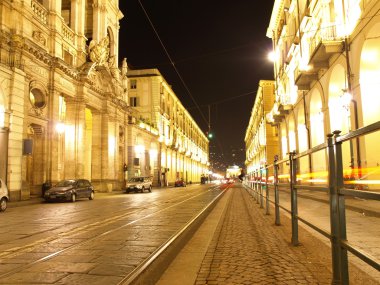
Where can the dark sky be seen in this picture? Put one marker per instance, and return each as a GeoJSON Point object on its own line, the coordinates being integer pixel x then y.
{"type": "Point", "coordinates": [220, 51]}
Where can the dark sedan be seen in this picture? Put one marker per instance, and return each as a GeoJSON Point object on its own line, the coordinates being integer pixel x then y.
{"type": "Point", "coordinates": [70, 190]}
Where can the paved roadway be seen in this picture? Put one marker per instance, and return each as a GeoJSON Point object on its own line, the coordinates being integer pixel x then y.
{"type": "Point", "coordinates": [93, 242]}
{"type": "Point", "coordinates": [103, 241]}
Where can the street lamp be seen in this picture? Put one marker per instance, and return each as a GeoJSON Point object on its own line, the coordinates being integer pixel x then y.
{"type": "Point", "coordinates": [60, 128]}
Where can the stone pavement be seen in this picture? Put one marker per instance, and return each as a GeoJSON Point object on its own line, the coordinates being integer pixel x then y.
{"type": "Point", "coordinates": [245, 247]}
{"type": "Point", "coordinates": [248, 249]}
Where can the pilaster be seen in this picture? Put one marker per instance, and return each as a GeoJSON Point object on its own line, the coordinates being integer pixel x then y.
{"type": "Point", "coordinates": [55, 152]}
{"type": "Point", "coordinates": [74, 137]}
{"type": "Point", "coordinates": [16, 161]}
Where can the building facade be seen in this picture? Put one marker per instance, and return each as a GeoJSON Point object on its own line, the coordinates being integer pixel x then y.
{"type": "Point", "coordinates": [63, 98]}
{"type": "Point", "coordinates": [327, 68]}
{"type": "Point", "coordinates": [261, 138]}
{"type": "Point", "coordinates": [183, 149]}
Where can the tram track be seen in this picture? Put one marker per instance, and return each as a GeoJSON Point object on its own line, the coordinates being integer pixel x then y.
{"type": "Point", "coordinates": [110, 222]}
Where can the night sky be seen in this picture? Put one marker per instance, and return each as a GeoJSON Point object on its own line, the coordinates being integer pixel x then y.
{"type": "Point", "coordinates": [220, 51]}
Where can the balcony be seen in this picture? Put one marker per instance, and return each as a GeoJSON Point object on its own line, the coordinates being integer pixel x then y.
{"type": "Point", "coordinates": [303, 78]}
{"type": "Point", "coordinates": [285, 108]}
{"type": "Point", "coordinates": [322, 46]}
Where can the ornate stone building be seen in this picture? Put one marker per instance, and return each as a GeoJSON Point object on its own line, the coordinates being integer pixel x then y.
{"type": "Point", "coordinates": [183, 149]}
{"type": "Point", "coordinates": [261, 138]}
{"type": "Point", "coordinates": [63, 98]}
{"type": "Point", "coordinates": [327, 70]}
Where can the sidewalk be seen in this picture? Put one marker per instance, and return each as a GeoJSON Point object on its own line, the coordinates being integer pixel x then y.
{"type": "Point", "coordinates": [239, 244]}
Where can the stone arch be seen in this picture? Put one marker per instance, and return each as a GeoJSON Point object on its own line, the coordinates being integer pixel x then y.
{"type": "Point", "coordinates": [284, 140]}
{"type": "Point", "coordinates": [292, 133]}
{"type": "Point", "coordinates": [317, 132]}
{"type": "Point", "coordinates": [369, 76]}
{"type": "Point", "coordinates": [339, 108]}
{"type": "Point", "coordinates": [369, 93]}
{"type": "Point", "coordinates": [111, 43]}
{"type": "Point", "coordinates": [303, 138]}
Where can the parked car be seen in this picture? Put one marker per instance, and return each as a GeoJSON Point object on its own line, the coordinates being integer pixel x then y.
{"type": "Point", "coordinates": [4, 196]}
{"type": "Point", "coordinates": [70, 190]}
{"type": "Point", "coordinates": [139, 184]}
{"type": "Point", "coordinates": [179, 183]}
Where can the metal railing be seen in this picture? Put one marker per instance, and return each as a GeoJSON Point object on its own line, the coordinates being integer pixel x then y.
{"type": "Point", "coordinates": [336, 189]}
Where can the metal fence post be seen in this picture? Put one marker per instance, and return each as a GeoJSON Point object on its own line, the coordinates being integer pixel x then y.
{"type": "Point", "coordinates": [261, 189]}
{"type": "Point", "coordinates": [276, 194]}
{"type": "Point", "coordinates": [257, 188]}
{"type": "Point", "coordinates": [293, 194]}
{"type": "Point", "coordinates": [341, 212]}
{"type": "Point", "coordinates": [266, 190]}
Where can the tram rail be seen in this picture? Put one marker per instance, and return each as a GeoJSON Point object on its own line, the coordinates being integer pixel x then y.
{"type": "Point", "coordinates": [118, 220]}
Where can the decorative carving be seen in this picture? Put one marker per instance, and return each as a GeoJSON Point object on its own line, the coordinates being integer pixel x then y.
{"type": "Point", "coordinates": [124, 68]}
{"type": "Point", "coordinates": [17, 41]}
{"type": "Point", "coordinates": [99, 52]}
{"type": "Point", "coordinates": [38, 36]}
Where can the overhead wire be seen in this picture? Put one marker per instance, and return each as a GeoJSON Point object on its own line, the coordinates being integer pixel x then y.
{"type": "Point", "coordinates": [173, 64]}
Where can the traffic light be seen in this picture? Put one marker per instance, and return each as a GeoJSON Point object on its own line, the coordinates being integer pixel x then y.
{"type": "Point", "coordinates": [210, 135]}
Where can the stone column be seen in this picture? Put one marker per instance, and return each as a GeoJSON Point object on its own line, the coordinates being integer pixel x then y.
{"type": "Point", "coordinates": [109, 149]}
{"type": "Point", "coordinates": [55, 137]}
{"type": "Point", "coordinates": [16, 165]}
{"type": "Point", "coordinates": [96, 156]}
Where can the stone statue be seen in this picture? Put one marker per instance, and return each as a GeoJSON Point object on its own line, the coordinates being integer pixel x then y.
{"type": "Point", "coordinates": [99, 52]}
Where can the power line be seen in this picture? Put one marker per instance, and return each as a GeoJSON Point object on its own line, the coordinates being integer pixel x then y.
{"type": "Point", "coordinates": [226, 99]}
{"type": "Point", "coordinates": [173, 64]}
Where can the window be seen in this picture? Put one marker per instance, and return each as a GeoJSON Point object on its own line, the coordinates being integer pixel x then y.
{"type": "Point", "coordinates": [133, 84]}
{"type": "Point", "coordinates": [37, 98]}
{"type": "Point", "coordinates": [133, 102]}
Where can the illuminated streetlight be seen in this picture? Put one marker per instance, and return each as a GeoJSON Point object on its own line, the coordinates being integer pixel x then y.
{"type": "Point", "coordinates": [271, 56]}
{"type": "Point", "coordinates": [60, 128]}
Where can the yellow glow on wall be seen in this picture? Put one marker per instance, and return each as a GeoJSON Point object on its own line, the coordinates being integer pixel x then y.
{"type": "Point", "coordinates": [369, 56]}
{"type": "Point", "coordinates": [70, 135]}
{"type": "Point", "coordinates": [60, 128]}
{"type": "Point", "coordinates": [139, 149]}
{"type": "Point", "coordinates": [111, 145]}
{"type": "Point", "coordinates": [61, 108]}
{"type": "Point", "coordinates": [369, 81]}
{"type": "Point", "coordinates": [153, 154]}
